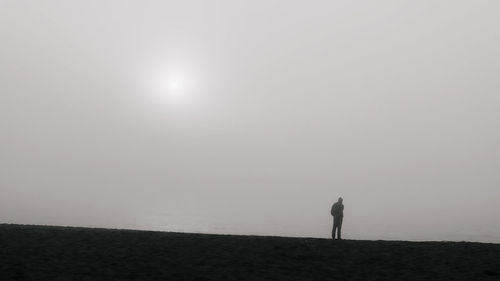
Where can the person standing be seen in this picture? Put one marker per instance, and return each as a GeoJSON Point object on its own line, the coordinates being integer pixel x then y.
{"type": "Point", "coordinates": [338, 215]}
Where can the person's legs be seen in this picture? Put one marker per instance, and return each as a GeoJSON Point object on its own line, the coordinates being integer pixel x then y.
{"type": "Point", "coordinates": [339, 228]}
{"type": "Point", "coordinates": [333, 229]}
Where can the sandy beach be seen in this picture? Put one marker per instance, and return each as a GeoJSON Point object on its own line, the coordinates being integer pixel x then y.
{"type": "Point", "coordinates": [68, 253]}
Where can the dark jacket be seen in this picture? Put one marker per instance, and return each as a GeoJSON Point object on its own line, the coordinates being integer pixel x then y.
{"type": "Point", "coordinates": [337, 210]}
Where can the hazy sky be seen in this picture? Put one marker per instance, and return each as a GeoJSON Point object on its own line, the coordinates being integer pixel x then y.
{"type": "Point", "coordinates": [252, 117]}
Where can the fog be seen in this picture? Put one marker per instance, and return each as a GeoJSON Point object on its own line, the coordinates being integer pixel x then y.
{"type": "Point", "coordinates": [253, 117]}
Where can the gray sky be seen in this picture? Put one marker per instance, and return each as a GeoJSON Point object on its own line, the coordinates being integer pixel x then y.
{"type": "Point", "coordinates": [252, 117]}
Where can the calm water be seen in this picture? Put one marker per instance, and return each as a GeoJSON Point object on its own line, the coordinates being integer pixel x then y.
{"type": "Point", "coordinates": [177, 223]}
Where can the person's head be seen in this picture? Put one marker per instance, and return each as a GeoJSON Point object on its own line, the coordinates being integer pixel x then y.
{"type": "Point", "coordinates": [340, 200]}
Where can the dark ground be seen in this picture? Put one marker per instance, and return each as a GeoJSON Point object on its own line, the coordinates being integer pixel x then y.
{"type": "Point", "coordinates": [63, 253]}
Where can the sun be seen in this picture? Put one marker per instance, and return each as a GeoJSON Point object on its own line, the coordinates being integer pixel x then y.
{"type": "Point", "coordinates": [174, 85]}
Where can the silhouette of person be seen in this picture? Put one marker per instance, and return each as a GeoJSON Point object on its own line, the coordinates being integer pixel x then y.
{"type": "Point", "coordinates": [338, 215]}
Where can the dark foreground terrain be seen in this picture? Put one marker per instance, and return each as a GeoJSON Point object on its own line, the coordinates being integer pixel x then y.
{"type": "Point", "coordinates": [63, 253]}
